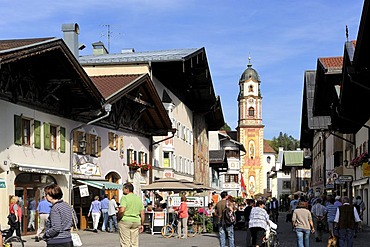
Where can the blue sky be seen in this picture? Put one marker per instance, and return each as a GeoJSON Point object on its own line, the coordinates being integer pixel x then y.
{"type": "Point", "coordinates": [283, 38]}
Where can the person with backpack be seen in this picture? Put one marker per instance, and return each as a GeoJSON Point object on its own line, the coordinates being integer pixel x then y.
{"type": "Point", "coordinates": [223, 227]}
{"type": "Point", "coordinates": [258, 223]}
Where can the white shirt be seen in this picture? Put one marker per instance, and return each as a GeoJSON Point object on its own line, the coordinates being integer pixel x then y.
{"type": "Point", "coordinates": [258, 218]}
{"type": "Point", "coordinates": [112, 205]}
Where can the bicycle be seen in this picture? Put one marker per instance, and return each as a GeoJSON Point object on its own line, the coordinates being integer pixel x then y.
{"type": "Point", "coordinates": [169, 230]}
{"type": "Point", "coordinates": [13, 241]}
{"type": "Point", "coordinates": [271, 238]}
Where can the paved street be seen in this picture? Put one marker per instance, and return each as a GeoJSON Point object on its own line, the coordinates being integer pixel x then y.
{"type": "Point", "coordinates": [286, 236]}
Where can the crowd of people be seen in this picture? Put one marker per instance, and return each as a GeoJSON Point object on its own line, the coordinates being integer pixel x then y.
{"type": "Point", "coordinates": [315, 215]}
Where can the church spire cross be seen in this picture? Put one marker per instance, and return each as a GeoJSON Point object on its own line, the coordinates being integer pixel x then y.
{"type": "Point", "coordinates": [249, 61]}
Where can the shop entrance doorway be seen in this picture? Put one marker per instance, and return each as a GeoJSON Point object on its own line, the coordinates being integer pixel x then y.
{"type": "Point", "coordinates": [29, 188]}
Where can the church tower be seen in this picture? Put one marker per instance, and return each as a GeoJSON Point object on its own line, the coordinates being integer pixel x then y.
{"type": "Point", "coordinates": [250, 130]}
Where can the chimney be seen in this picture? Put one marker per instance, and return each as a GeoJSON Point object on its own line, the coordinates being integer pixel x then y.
{"type": "Point", "coordinates": [70, 37]}
{"type": "Point", "coordinates": [99, 48]}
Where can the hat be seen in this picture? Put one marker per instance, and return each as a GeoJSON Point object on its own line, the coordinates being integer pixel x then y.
{"type": "Point", "coordinates": [337, 198]}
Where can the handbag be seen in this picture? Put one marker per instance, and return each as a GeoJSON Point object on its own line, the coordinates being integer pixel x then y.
{"type": "Point", "coordinates": [74, 235]}
{"type": "Point", "coordinates": [11, 219]}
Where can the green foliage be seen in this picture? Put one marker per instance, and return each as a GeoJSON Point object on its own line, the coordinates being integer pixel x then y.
{"type": "Point", "coordinates": [226, 127]}
{"type": "Point", "coordinates": [289, 143]}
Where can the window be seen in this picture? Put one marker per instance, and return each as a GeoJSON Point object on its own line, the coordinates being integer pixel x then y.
{"type": "Point", "coordinates": [251, 111]}
{"type": "Point", "coordinates": [231, 178]}
{"type": "Point", "coordinates": [268, 159]}
{"type": "Point", "coordinates": [287, 173]}
{"type": "Point", "coordinates": [286, 184]}
{"type": "Point", "coordinates": [113, 141]}
{"type": "Point", "coordinates": [250, 88]}
{"type": "Point", "coordinates": [53, 137]}
{"type": "Point", "coordinates": [22, 131]}
{"type": "Point", "coordinates": [130, 156]}
{"type": "Point", "coordinates": [268, 181]}
{"type": "Point", "coordinates": [166, 159]}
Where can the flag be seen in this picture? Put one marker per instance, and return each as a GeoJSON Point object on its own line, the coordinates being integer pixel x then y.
{"type": "Point", "coordinates": [242, 184]}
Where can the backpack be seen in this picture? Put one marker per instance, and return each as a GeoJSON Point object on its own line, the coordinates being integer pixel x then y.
{"type": "Point", "coordinates": [228, 216]}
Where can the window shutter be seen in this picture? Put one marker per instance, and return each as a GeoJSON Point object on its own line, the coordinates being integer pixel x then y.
{"type": "Point", "coordinates": [146, 158]}
{"type": "Point", "coordinates": [135, 155]}
{"type": "Point", "coordinates": [46, 136]}
{"type": "Point", "coordinates": [17, 130]}
{"type": "Point", "coordinates": [62, 140]}
{"type": "Point", "coordinates": [75, 141]}
{"type": "Point", "coordinates": [37, 133]}
{"type": "Point", "coordinates": [111, 139]}
{"type": "Point", "coordinates": [139, 158]}
{"type": "Point", "coordinates": [99, 146]}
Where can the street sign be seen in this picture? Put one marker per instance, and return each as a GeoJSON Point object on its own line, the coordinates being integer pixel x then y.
{"type": "Point", "coordinates": [345, 178]}
{"type": "Point", "coordinates": [339, 182]}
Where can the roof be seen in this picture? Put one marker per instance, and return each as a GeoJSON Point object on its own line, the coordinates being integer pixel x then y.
{"type": "Point", "coordinates": [17, 43]}
{"type": "Point", "coordinates": [229, 138]}
{"type": "Point", "coordinates": [267, 147]}
{"type": "Point", "coordinates": [61, 86]}
{"type": "Point", "coordinates": [332, 64]}
{"type": "Point", "coordinates": [136, 98]}
{"type": "Point", "coordinates": [309, 122]}
{"type": "Point", "coordinates": [110, 85]}
{"type": "Point", "coordinates": [144, 56]}
{"type": "Point", "coordinates": [185, 72]}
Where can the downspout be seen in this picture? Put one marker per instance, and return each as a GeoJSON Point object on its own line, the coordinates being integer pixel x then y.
{"type": "Point", "coordinates": [173, 131]}
{"type": "Point", "coordinates": [107, 108]}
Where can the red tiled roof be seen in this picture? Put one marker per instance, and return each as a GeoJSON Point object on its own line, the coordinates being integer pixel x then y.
{"type": "Point", "coordinates": [267, 148]}
{"type": "Point", "coordinates": [111, 84]}
{"type": "Point", "coordinates": [16, 43]}
{"type": "Point", "coordinates": [331, 63]}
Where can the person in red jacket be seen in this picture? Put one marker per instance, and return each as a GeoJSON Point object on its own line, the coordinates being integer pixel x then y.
{"type": "Point", "coordinates": [182, 213]}
{"type": "Point", "coordinates": [15, 209]}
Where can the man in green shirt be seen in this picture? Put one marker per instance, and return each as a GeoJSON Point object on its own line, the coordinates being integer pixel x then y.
{"type": "Point", "coordinates": [131, 217]}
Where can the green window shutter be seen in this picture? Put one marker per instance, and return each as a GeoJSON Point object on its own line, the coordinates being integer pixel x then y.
{"type": "Point", "coordinates": [135, 155]}
{"type": "Point", "coordinates": [146, 158]}
{"type": "Point", "coordinates": [46, 136]}
{"type": "Point", "coordinates": [62, 139]}
{"type": "Point", "coordinates": [37, 133]}
{"type": "Point", "coordinates": [17, 130]}
{"type": "Point", "coordinates": [139, 158]}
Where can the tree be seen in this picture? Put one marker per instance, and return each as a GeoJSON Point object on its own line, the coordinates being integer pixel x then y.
{"type": "Point", "coordinates": [289, 143]}
{"type": "Point", "coordinates": [226, 127]}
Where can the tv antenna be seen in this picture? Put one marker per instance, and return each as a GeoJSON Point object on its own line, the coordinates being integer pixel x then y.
{"type": "Point", "coordinates": [108, 34]}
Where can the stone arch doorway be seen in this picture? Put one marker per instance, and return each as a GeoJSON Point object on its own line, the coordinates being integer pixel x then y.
{"type": "Point", "coordinates": [112, 177]}
{"type": "Point", "coordinates": [29, 188]}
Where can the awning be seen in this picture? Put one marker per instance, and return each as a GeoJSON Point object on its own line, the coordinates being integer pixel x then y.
{"type": "Point", "coordinates": [103, 185]}
{"type": "Point", "coordinates": [293, 158]}
{"type": "Point", "coordinates": [39, 169]}
{"type": "Point", "coordinates": [2, 183]}
{"type": "Point", "coordinates": [360, 182]}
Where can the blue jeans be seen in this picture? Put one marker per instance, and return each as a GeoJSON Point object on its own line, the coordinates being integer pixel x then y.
{"type": "Point", "coordinates": [346, 235]}
{"type": "Point", "coordinates": [222, 235]}
{"type": "Point", "coordinates": [105, 219]}
{"type": "Point", "coordinates": [303, 237]}
{"type": "Point", "coordinates": [113, 221]}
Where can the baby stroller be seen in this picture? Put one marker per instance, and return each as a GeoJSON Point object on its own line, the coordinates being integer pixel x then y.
{"type": "Point", "coordinates": [271, 238]}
